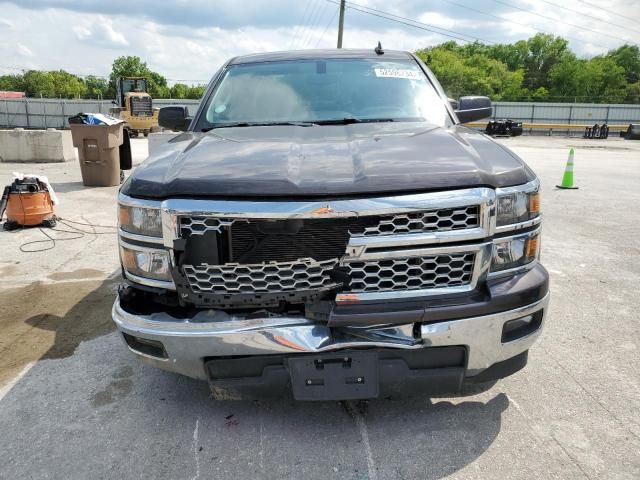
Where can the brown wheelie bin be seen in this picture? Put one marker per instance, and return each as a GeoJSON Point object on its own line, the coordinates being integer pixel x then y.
{"type": "Point", "coordinates": [98, 150]}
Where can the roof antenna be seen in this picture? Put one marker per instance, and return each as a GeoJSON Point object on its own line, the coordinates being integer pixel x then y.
{"type": "Point", "coordinates": [378, 49]}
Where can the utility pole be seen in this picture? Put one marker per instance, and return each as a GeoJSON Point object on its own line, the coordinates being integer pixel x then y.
{"type": "Point", "coordinates": [341, 23]}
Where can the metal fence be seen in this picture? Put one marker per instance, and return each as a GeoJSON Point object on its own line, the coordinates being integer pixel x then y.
{"type": "Point", "coordinates": [53, 113]}
{"type": "Point", "coordinates": [572, 113]}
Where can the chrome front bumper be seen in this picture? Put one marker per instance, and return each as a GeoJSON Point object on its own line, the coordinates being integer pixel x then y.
{"type": "Point", "coordinates": [213, 333]}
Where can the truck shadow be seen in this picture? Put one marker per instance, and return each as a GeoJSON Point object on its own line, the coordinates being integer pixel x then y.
{"type": "Point", "coordinates": [387, 438]}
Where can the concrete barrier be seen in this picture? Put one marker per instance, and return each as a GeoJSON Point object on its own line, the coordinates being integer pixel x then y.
{"type": "Point", "coordinates": [158, 139]}
{"type": "Point", "coordinates": [36, 146]}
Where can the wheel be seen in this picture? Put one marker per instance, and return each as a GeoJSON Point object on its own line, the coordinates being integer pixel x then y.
{"type": "Point", "coordinates": [50, 222]}
{"type": "Point", "coordinates": [10, 225]}
{"type": "Point", "coordinates": [145, 132]}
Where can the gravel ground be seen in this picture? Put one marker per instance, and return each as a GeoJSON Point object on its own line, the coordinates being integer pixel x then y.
{"type": "Point", "coordinates": [75, 404]}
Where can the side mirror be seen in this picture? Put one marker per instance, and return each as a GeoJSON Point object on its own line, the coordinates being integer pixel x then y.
{"type": "Point", "coordinates": [174, 118]}
{"type": "Point", "coordinates": [473, 108]}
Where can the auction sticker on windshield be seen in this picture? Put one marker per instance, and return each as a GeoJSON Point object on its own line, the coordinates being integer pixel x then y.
{"type": "Point", "coordinates": [397, 73]}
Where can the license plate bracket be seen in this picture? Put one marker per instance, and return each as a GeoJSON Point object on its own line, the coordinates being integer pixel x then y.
{"type": "Point", "coordinates": [335, 376]}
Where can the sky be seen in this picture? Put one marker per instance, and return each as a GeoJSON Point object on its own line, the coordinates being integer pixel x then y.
{"type": "Point", "coordinates": [188, 40]}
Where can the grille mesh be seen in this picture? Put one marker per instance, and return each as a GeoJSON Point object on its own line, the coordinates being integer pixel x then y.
{"type": "Point", "coordinates": [415, 222]}
{"type": "Point", "coordinates": [411, 273]}
{"type": "Point", "coordinates": [426, 221]}
{"type": "Point", "coordinates": [276, 256]}
{"type": "Point", "coordinates": [201, 225]}
{"type": "Point", "coordinates": [317, 239]}
{"type": "Point", "coordinates": [304, 274]}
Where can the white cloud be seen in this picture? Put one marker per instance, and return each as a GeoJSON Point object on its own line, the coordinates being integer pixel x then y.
{"type": "Point", "coordinates": [100, 31]}
{"type": "Point", "coordinates": [6, 24]}
{"type": "Point", "coordinates": [24, 51]}
{"type": "Point", "coordinates": [443, 21]}
{"type": "Point", "coordinates": [87, 43]}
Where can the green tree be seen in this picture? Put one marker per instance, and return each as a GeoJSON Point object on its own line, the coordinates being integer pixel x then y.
{"type": "Point", "coordinates": [12, 83]}
{"type": "Point", "coordinates": [544, 51]}
{"type": "Point", "coordinates": [67, 85]}
{"type": "Point", "coordinates": [597, 80]}
{"type": "Point", "coordinates": [632, 93]}
{"type": "Point", "coordinates": [477, 74]}
{"type": "Point", "coordinates": [132, 66]}
{"type": "Point", "coordinates": [97, 87]}
{"type": "Point", "coordinates": [179, 90]}
{"type": "Point", "coordinates": [627, 57]}
{"type": "Point", "coordinates": [39, 84]}
{"type": "Point", "coordinates": [513, 55]}
{"type": "Point", "coordinates": [196, 91]}
{"type": "Point", "coordinates": [540, 94]}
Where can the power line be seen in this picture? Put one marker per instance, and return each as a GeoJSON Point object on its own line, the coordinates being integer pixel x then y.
{"type": "Point", "coordinates": [589, 16]}
{"type": "Point", "coordinates": [324, 32]}
{"type": "Point", "coordinates": [317, 21]}
{"type": "Point", "coordinates": [305, 29]}
{"type": "Point", "coordinates": [303, 21]}
{"type": "Point", "coordinates": [600, 7]}
{"type": "Point", "coordinates": [411, 23]}
{"type": "Point", "coordinates": [297, 28]}
{"type": "Point", "coordinates": [561, 22]}
{"type": "Point", "coordinates": [420, 23]}
{"type": "Point", "coordinates": [575, 39]}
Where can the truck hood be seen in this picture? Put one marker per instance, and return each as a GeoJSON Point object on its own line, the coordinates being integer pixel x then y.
{"type": "Point", "coordinates": [325, 161]}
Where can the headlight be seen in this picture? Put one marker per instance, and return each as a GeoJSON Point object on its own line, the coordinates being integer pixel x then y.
{"type": "Point", "coordinates": [140, 220]}
{"type": "Point", "coordinates": [517, 204]}
{"type": "Point", "coordinates": [517, 251]}
{"type": "Point", "coordinates": [146, 262]}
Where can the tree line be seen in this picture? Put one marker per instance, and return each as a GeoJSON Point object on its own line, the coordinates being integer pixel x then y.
{"type": "Point", "coordinates": [61, 84]}
{"type": "Point", "coordinates": [540, 69]}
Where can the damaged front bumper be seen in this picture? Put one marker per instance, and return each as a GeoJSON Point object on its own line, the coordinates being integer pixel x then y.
{"type": "Point", "coordinates": [189, 346]}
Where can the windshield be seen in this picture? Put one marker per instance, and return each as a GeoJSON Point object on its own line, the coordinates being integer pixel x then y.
{"type": "Point", "coordinates": [327, 90]}
{"type": "Point", "coordinates": [134, 85]}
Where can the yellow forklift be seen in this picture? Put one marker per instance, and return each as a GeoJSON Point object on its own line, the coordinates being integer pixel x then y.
{"type": "Point", "coordinates": [134, 106]}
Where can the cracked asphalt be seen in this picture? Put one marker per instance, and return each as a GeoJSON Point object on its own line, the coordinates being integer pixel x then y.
{"type": "Point", "coordinates": [75, 404]}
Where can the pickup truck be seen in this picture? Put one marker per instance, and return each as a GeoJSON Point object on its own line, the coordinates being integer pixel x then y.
{"type": "Point", "coordinates": [324, 226]}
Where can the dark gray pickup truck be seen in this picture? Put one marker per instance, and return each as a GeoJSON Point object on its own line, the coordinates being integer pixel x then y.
{"type": "Point", "coordinates": [324, 226]}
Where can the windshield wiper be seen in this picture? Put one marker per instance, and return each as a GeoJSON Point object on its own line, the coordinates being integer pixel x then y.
{"type": "Point", "coordinates": [349, 120]}
{"type": "Point", "coordinates": [256, 124]}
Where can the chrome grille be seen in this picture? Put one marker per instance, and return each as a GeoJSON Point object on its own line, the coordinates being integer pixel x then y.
{"type": "Point", "coordinates": [303, 274]}
{"type": "Point", "coordinates": [440, 220]}
{"type": "Point", "coordinates": [201, 225]}
{"type": "Point", "coordinates": [437, 220]}
{"type": "Point", "coordinates": [411, 273]}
